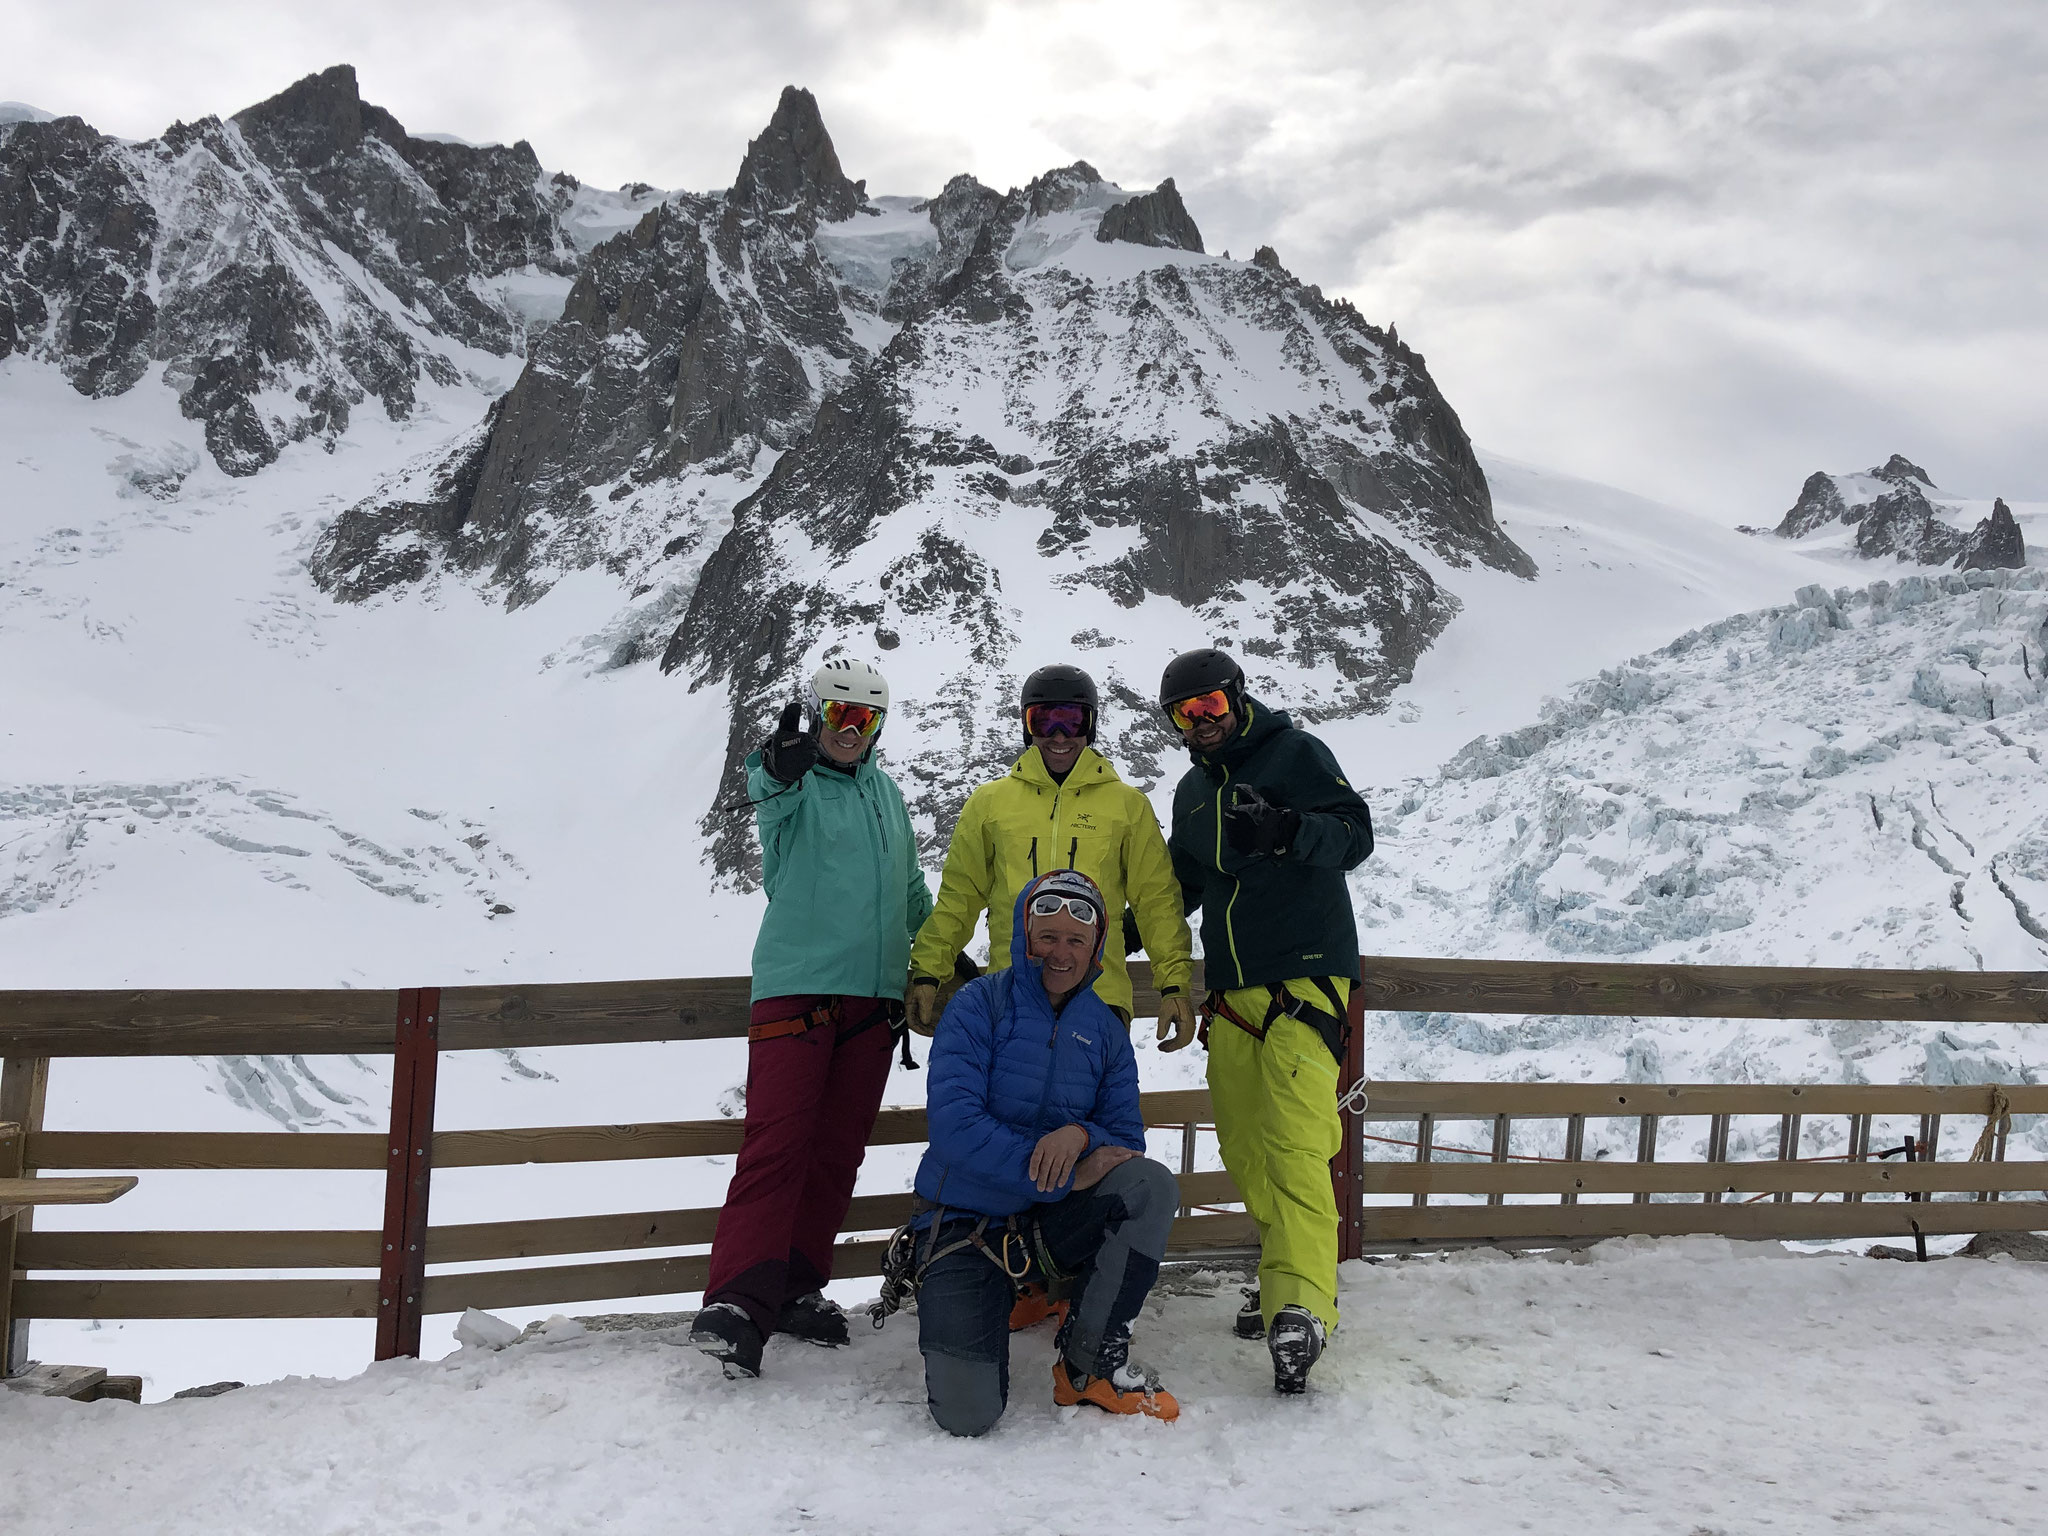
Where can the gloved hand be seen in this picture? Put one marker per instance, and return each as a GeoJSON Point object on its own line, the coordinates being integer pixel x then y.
{"type": "Point", "coordinates": [1176, 1021]}
{"type": "Point", "coordinates": [788, 753]}
{"type": "Point", "coordinates": [921, 1005]}
{"type": "Point", "coordinates": [1256, 826]}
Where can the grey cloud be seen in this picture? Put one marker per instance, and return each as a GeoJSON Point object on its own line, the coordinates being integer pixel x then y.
{"type": "Point", "coordinates": [1695, 250]}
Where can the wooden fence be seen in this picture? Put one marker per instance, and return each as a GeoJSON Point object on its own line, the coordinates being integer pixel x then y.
{"type": "Point", "coordinates": [1430, 1189]}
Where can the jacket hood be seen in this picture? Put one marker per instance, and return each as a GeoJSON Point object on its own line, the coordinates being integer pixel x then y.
{"type": "Point", "coordinates": [1259, 723]}
{"type": "Point", "coordinates": [1091, 767]}
{"type": "Point", "coordinates": [1020, 951]}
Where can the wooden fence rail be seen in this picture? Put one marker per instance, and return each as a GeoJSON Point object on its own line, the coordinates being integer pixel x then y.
{"type": "Point", "coordinates": [1425, 1191]}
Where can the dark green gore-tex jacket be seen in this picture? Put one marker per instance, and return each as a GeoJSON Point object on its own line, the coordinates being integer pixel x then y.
{"type": "Point", "coordinates": [1271, 919]}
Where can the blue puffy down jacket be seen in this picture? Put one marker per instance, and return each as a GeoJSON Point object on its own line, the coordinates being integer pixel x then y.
{"type": "Point", "coordinates": [1004, 1071]}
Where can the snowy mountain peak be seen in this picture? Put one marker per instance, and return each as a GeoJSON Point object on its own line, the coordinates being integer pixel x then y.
{"type": "Point", "coordinates": [1895, 511]}
{"type": "Point", "coordinates": [284, 267]}
{"type": "Point", "coordinates": [1900, 470]}
{"type": "Point", "coordinates": [793, 163]}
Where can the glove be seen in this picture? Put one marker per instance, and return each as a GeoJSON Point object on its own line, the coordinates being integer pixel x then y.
{"type": "Point", "coordinates": [1132, 942]}
{"type": "Point", "coordinates": [1176, 1021]}
{"type": "Point", "coordinates": [1256, 826]}
{"type": "Point", "coordinates": [921, 1005]}
{"type": "Point", "coordinates": [788, 753]}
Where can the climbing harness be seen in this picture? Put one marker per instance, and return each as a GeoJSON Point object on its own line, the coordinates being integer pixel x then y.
{"type": "Point", "coordinates": [829, 1012]}
{"type": "Point", "coordinates": [1016, 1249]}
{"type": "Point", "coordinates": [1334, 1027]}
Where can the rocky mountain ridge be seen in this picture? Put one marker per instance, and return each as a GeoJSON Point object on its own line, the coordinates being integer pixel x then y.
{"type": "Point", "coordinates": [955, 432]}
{"type": "Point", "coordinates": [284, 267]}
{"type": "Point", "coordinates": [1895, 513]}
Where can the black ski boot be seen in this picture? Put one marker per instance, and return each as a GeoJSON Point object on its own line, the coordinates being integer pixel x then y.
{"type": "Point", "coordinates": [815, 1319]}
{"type": "Point", "coordinates": [1296, 1341]}
{"type": "Point", "coordinates": [725, 1333]}
{"type": "Point", "coordinates": [1251, 1322]}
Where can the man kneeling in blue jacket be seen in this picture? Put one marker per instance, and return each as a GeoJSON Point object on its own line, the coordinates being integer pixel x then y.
{"type": "Point", "coordinates": [1035, 1171]}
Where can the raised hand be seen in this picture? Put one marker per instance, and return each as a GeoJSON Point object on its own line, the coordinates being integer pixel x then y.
{"type": "Point", "coordinates": [1256, 826]}
{"type": "Point", "coordinates": [788, 753]}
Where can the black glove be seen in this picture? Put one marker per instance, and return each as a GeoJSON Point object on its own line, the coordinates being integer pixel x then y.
{"type": "Point", "coordinates": [1133, 942]}
{"type": "Point", "coordinates": [1256, 826]}
{"type": "Point", "coordinates": [788, 753]}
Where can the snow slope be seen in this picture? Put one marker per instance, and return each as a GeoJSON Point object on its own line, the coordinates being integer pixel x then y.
{"type": "Point", "coordinates": [1644, 1387]}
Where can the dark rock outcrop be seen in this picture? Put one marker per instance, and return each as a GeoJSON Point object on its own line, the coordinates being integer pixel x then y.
{"type": "Point", "coordinates": [1157, 218]}
{"type": "Point", "coordinates": [682, 346]}
{"type": "Point", "coordinates": [1995, 543]}
{"type": "Point", "coordinates": [1901, 470]}
{"type": "Point", "coordinates": [1897, 519]}
{"type": "Point", "coordinates": [793, 164]}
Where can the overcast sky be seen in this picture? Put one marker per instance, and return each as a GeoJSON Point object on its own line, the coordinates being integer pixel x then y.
{"type": "Point", "coordinates": [1697, 251]}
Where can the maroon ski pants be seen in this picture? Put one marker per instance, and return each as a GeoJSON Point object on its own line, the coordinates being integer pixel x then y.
{"type": "Point", "coordinates": [811, 1103]}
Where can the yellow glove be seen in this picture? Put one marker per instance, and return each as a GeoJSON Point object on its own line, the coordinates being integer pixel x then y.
{"type": "Point", "coordinates": [921, 1005]}
{"type": "Point", "coordinates": [1176, 1019]}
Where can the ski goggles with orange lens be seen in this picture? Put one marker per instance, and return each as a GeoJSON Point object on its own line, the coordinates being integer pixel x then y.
{"type": "Point", "coordinates": [1076, 907]}
{"type": "Point", "coordinates": [1186, 713]}
{"type": "Point", "coordinates": [1056, 720]}
{"type": "Point", "coordinates": [840, 715]}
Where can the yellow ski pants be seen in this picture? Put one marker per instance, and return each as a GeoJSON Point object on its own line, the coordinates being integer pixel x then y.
{"type": "Point", "coordinates": [1277, 1121]}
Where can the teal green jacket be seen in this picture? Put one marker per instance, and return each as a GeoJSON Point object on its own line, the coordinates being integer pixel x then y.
{"type": "Point", "coordinates": [845, 893]}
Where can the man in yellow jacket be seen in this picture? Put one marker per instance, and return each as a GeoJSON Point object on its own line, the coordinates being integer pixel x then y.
{"type": "Point", "coordinates": [1061, 806]}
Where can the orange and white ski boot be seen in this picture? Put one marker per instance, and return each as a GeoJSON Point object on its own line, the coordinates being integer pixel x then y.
{"type": "Point", "coordinates": [1124, 1390]}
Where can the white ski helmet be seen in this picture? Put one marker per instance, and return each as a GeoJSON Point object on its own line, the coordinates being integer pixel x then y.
{"type": "Point", "coordinates": [857, 682]}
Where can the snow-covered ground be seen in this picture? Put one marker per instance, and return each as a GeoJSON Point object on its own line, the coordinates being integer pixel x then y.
{"type": "Point", "coordinates": [1676, 1386]}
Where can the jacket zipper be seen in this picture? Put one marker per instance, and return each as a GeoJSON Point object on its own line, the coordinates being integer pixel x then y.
{"type": "Point", "coordinates": [1034, 858]}
{"type": "Point", "coordinates": [1236, 885]}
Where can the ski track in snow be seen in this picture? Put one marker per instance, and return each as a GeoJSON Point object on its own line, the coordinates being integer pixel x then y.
{"type": "Point", "coordinates": [1678, 1386]}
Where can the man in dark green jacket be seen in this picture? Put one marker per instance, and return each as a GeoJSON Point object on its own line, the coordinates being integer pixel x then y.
{"type": "Point", "coordinates": [1265, 825]}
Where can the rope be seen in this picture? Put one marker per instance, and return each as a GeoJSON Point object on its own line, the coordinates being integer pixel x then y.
{"type": "Point", "coordinates": [1996, 1119]}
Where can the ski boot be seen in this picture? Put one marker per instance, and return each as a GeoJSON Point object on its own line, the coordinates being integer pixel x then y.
{"type": "Point", "coordinates": [1033, 1306]}
{"type": "Point", "coordinates": [815, 1319]}
{"type": "Point", "coordinates": [1123, 1390]}
{"type": "Point", "coordinates": [1251, 1322]}
{"type": "Point", "coordinates": [725, 1333]}
{"type": "Point", "coordinates": [1296, 1341]}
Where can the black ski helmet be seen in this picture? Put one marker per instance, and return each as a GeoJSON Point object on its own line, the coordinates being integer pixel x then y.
{"type": "Point", "coordinates": [1060, 683]}
{"type": "Point", "coordinates": [1194, 672]}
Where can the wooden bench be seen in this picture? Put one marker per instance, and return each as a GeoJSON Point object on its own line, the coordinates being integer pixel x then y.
{"type": "Point", "coordinates": [20, 1194]}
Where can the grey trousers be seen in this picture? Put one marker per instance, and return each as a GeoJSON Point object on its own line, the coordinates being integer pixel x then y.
{"type": "Point", "coordinates": [1111, 1238]}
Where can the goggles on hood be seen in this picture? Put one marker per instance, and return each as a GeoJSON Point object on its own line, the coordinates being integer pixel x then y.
{"type": "Point", "coordinates": [1056, 720]}
{"type": "Point", "coordinates": [843, 715]}
{"type": "Point", "coordinates": [1185, 713]}
{"type": "Point", "coordinates": [1049, 903]}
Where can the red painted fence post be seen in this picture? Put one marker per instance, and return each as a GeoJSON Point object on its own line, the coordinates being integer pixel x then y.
{"type": "Point", "coordinates": [408, 1172]}
{"type": "Point", "coordinates": [1347, 1168]}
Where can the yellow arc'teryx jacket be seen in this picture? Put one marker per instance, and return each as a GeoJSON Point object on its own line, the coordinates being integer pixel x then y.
{"type": "Point", "coordinates": [1024, 825]}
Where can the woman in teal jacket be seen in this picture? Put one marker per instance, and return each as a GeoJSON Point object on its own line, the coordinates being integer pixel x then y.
{"type": "Point", "coordinates": [845, 897]}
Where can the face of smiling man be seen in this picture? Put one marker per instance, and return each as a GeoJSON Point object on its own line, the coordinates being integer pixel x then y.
{"type": "Point", "coordinates": [1208, 734]}
{"type": "Point", "coordinates": [1064, 946]}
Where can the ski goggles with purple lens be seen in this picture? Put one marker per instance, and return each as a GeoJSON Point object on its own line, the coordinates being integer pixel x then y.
{"type": "Point", "coordinates": [1056, 720]}
{"type": "Point", "coordinates": [1076, 907]}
